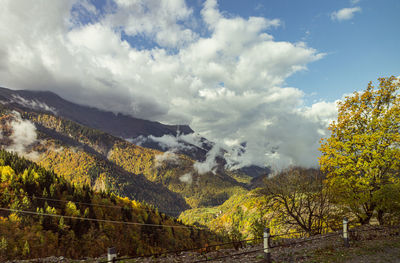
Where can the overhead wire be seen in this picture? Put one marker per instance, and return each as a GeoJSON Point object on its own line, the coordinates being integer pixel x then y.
{"type": "Point", "coordinates": [261, 249]}
{"type": "Point", "coordinates": [289, 233]}
{"type": "Point", "coordinates": [89, 204]}
{"type": "Point", "coordinates": [230, 255]}
{"type": "Point", "coordinates": [305, 232]}
{"type": "Point", "coordinates": [172, 226]}
{"type": "Point", "coordinates": [292, 243]}
{"type": "Point", "coordinates": [248, 240]}
{"type": "Point", "coordinates": [97, 220]}
{"type": "Point", "coordinates": [189, 249]}
{"type": "Point", "coordinates": [305, 240]}
{"type": "Point", "coordinates": [226, 243]}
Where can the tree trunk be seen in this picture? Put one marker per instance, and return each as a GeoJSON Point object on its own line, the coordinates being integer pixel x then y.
{"type": "Point", "coordinates": [365, 220]}
{"type": "Point", "coordinates": [380, 217]}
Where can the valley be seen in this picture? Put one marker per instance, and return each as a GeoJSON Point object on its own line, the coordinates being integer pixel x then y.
{"type": "Point", "coordinates": [65, 186]}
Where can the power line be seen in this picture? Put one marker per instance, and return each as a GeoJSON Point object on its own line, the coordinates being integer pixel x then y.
{"type": "Point", "coordinates": [97, 220]}
{"type": "Point", "coordinates": [289, 233]}
{"type": "Point", "coordinates": [305, 232]}
{"type": "Point", "coordinates": [89, 204]}
{"type": "Point", "coordinates": [306, 240]}
{"type": "Point", "coordinates": [229, 243]}
{"type": "Point", "coordinates": [287, 244]}
{"type": "Point", "coordinates": [261, 249]}
{"type": "Point", "coordinates": [327, 235]}
{"type": "Point", "coordinates": [189, 249]}
{"type": "Point", "coordinates": [231, 255]}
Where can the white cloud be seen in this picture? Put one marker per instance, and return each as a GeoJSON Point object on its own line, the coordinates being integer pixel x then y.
{"type": "Point", "coordinates": [186, 178]}
{"type": "Point", "coordinates": [354, 2]}
{"type": "Point", "coordinates": [322, 112]}
{"type": "Point", "coordinates": [229, 86]}
{"type": "Point", "coordinates": [345, 13]}
{"type": "Point", "coordinates": [23, 135]}
{"type": "Point", "coordinates": [170, 142]}
{"type": "Point", "coordinates": [158, 19]}
{"type": "Point", "coordinates": [210, 164]}
{"type": "Point", "coordinates": [33, 104]}
{"type": "Point", "coordinates": [167, 156]}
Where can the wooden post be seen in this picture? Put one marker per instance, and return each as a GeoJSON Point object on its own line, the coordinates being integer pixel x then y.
{"type": "Point", "coordinates": [346, 232]}
{"type": "Point", "coordinates": [111, 254]}
{"type": "Point", "coordinates": [267, 252]}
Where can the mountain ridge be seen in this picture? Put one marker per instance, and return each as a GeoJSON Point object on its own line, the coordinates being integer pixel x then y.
{"type": "Point", "coordinates": [139, 131]}
{"type": "Point", "coordinates": [166, 180]}
{"type": "Point", "coordinates": [93, 117]}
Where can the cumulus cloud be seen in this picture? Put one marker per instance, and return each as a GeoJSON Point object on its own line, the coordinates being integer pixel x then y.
{"type": "Point", "coordinates": [321, 112]}
{"type": "Point", "coordinates": [345, 13]}
{"type": "Point", "coordinates": [227, 84]}
{"type": "Point", "coordinates": [160, 20]}
{"type": "Point", "coordinates": [22, 137]}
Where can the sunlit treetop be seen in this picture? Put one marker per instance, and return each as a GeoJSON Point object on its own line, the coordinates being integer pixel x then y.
{"type": "Point", "coordinates": [365, 138]}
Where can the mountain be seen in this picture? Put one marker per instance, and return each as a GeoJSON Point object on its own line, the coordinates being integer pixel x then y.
{"type": "Point", "coordinates": [138, 131]}
{"type": "Point", "coordinates": [81, 164]}
{"type": "Point", "coordinates": [118, 125]}
{"type": "Point", "coordinates": [42, 214]}
{"type": "Point", "coordinates": [84, 155]}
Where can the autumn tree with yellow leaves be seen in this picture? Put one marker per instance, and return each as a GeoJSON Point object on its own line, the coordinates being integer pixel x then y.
{"type": "Point", "coordinates": [362, 155]}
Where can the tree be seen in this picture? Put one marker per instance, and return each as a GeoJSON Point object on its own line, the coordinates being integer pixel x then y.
{"type": "Point", "coordinates": [298, 200]}
{"type": "Point", "coordinates": [362, 155]}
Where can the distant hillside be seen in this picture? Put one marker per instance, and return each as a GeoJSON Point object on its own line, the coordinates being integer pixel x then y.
{"type": "Point", "coordinates": [88, 156]}
{"type": "Point", "coordinates": [242, 216]}
{"type": "Point", "coordinates": [42, 214]}
{"type": "Point", "coordinates": [79, 163]}
{"type": "Point", "coordinates": [115, 124]}
{"type": "Point", "coordinates": [119, 125]}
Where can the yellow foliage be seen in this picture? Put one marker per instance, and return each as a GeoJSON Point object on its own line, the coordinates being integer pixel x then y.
{"type": "Point", "coordinates": [6, 173]}
{"type": "Point", "coordinates": [71, 210]}
{"type": "Point", "coordinates": [13, 217]}
{"type": "Point", "coordinates": [363, 152]}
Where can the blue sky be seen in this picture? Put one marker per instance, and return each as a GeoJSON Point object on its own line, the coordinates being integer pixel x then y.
{"type": "Point", "coordinates": [357, 50]}
{"type": "Point", "coordinates": [265, 74]}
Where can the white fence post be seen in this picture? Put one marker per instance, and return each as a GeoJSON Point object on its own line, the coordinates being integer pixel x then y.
{"type": "Point", "coordinates": [111, 254]}
{"type": "Point", "coordinates": [267, 252]}
{"type": "Point", "coordinates": [346, 232]}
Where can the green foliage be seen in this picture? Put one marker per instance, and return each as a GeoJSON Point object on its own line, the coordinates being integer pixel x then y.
{"type": "Point", "coordinates": [236, 218]}
{"type": "Point", "coordinates": [294, 200]}
{"type": "Point", "coordinates": [84, 168]}
{"type": "Point", "coordinates": [77, 158]}
{"type": "Point", "coordinates": [205, 190]}
{"type": "Point", "coordinates": [33, 236]}
{"type": "Point", "coordinates": [362, 155]}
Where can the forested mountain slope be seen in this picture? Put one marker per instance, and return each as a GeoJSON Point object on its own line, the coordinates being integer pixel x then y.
{"type": "Point", "coordinates": [85, 155]}
{"type": "Point", "coordinates": [122, 126]}
{"type": "Point", "coordinates": [42, 214]}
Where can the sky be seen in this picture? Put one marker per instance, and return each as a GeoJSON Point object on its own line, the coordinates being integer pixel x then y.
{"type": "Point", "coordinates": [259, 78]}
